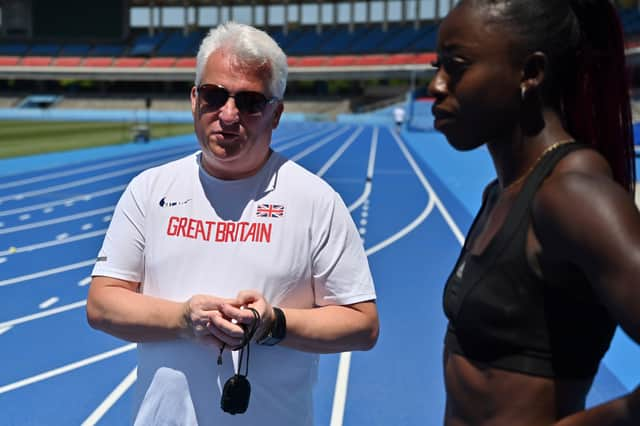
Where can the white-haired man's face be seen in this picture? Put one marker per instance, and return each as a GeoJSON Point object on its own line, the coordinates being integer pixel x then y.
{"type": "Point", "coordinates": [234, 116]}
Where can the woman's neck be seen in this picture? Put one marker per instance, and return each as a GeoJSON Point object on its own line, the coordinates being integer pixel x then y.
{"type": "Point", "coordinates": [513, 156]}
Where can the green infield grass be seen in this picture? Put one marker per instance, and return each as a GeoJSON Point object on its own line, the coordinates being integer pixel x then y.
{"type": "Point", "coordinates": [18, 138]}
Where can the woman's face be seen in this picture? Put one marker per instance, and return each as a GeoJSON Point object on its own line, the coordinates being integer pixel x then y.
{"type": "Point", "coordinates": [477, 84]}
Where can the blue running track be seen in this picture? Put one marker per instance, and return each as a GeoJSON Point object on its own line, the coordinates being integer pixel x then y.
{"type": "Point", "coordinates": [410, 196]}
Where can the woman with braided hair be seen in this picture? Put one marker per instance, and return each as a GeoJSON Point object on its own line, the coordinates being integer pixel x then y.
{"type": "Point", "coordinates": [551, 263]}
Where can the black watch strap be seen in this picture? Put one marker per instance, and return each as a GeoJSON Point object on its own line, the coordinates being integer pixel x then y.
{"type": "Point", "coordinates": [278, 329]}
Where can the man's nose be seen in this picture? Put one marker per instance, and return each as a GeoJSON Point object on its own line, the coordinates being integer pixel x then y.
{"type": "Point", "coordinates": [229, 112]}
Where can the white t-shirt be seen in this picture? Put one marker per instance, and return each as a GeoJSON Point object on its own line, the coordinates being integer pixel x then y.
{"type": "Point", "coordinates": [283, 232]}
{"type": "Point", "coordinates": [398, 115]}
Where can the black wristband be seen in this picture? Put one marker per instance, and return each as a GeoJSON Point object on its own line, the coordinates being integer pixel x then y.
{"type": "Point", "coordinates": [278, 329]}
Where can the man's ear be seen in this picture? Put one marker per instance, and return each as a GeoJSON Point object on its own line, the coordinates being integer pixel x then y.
{"type": "Point", "coordinates": [533, 72]}
{"type": "Point", "coordinates": [277, 114]}
{"type": "Point", "coordinates": [194, 100]}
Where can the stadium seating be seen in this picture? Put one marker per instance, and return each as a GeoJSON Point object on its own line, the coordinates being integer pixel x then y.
{"type": "Point", "coordinates": [146, 45]}
{"type": "Point", "coordinates": [340, 45]}
{"type": "Point", "coordinates": [81, 49]}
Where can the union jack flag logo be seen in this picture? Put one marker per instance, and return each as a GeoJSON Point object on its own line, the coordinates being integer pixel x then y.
{"type": "Point", "coordinates": [270, 210]}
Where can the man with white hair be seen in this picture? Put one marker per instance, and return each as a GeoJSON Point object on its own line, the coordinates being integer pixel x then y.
{"type": "Point", "coordinates": [233, 253]}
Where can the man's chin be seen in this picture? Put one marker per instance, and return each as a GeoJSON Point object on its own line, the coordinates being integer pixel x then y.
{"type": "Point", "coordinates": [220, 153]}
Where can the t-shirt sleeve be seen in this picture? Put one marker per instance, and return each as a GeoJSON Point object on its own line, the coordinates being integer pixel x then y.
{"type": "Point", "coordinates": [341, 273]}
{"type": "Point", "coordinates": [122, 252]}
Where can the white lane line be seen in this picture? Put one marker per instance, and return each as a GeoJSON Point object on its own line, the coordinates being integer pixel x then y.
{"type": "Point", "coordinates": [434, 200]}
{"type": "Point", "coordinates": [4, 330]}
{"type": "Point", "coordinates": [443, 210]}
{"type": "Point", "coordinates": [60, 219]}
{"type": "Point", "coordinates": [47, 272]}
{"type": "Point", "coordinates": [62, 236]}
{"type": "Point", "coordinates": [3, 259]}
{"type": "Point", "coordinates": [370, 168]}
{"type": "Point", "coordinates": [85, 281]}
{"type": "Point", "coordinates": [43, 314]}
{"type": "Point", "coordinates": [49, 302]}
{"type": "Point", "coordinates": [404, 231]}
{"type": "Point", "coordinates": [342, 378]}
{"type": "Point", "coordinates": [48, 207]}
{"type": "Point", "coordinates": [65, 369]}
{"type": "Point", "coordinates": [340, 394]}
{"type": "Point", "coordinates": [318, 144]}
{"type": "Point", "coordinates": [112, 398]}
{"type": "Point", "coordinates": [339, 152]}
{"type": "Point", "coordinates": [105, 165]}
{"type": "Point", "coordinates": [299, 141]}
{"type": "Point", "coordinates": [81, 182]}
{"type": "Point", "coordinates": [51, 243]}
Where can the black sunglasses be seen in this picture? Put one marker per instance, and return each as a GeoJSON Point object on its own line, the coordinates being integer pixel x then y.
{"type": "Point", "coordinates": [247, 102]}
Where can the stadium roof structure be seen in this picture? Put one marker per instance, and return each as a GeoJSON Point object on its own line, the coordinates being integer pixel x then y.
{"type": "Point", "coordinates": [405, 6]}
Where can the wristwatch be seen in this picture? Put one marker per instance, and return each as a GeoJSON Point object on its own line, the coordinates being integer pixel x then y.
{"type": "Point", "coordinates": [276, 332]}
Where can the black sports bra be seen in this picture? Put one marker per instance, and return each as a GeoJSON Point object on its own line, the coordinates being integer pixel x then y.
{"type": "Point", "coordinates": [501, 314]}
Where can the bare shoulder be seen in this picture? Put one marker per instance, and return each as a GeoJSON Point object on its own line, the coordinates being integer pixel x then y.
{"type": "Point", "coordinates": [587, 161]}
{"type": "Point", "coordinates": [580, 205]}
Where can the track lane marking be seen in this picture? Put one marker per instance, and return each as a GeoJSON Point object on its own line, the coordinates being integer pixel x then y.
{"type": "Point", "coordinates": [66, 368]}
{"type": "Point", "coordinates": [49, 302]}
{"type": "Point", "coordinates": [83, 169]}
{"type": "Point", "coordinates": [370, 169]}
{"type": "Point", "coordinates": [342, 379]}
{"type": "Point", "coordinates": [46, 272]}
{"type": "Point", "coordinates": [318, 144]}
{"type": "Point", "coordinates": [58, 220]}
{"type": "Point", "coordinates": [47, 207]}
{"type": "Point", "coordinates": [112, 398]}
{"type": "Point", "coordinates": [336, 155]}
{"type": "Point", "coordinates": [52, 243]}
{"type": "Point", "coordinates": [43, 314]}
